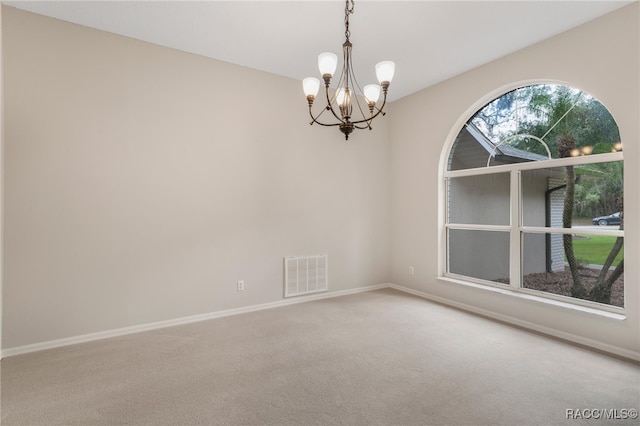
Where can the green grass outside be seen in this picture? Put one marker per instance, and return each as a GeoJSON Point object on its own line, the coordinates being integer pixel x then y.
{"type": "Point", "coordinates": [594, 249]}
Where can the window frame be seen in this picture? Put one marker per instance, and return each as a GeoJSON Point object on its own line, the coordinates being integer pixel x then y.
{"type": "Point", "coordinates": [517, 229]}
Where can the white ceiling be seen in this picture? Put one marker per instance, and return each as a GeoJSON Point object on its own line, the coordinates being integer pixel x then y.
{"type": "Point", "coordinates": [430, 41]}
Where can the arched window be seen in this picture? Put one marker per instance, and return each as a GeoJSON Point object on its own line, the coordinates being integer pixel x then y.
{"type": "Point", "coordinates": [534, 190]}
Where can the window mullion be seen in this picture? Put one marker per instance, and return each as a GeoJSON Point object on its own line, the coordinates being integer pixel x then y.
{"type": "Point", "coordinates": [515, 256]}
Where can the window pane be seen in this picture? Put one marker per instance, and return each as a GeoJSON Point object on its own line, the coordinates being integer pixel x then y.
{"type": "Point", "coordinates": [479, 254]}
{"type": "Point", "coordinates": [597, 192]}
{"type": "Point", "coordinates": [533, 120]}
{"type": "Point", "coordinates": [473, 149]}
{"type": "Point", "coordinates": [528, 124]}
{"type": "Point", "coordinates": [545, 266]}
{"type": "Point", "coordinates": [480, 200]}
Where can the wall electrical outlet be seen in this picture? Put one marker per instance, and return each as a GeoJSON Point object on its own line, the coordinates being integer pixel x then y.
{"type": "Point", "coordinates": [240, 285]}
{"type": "Point", "coordinates": [411, 270]}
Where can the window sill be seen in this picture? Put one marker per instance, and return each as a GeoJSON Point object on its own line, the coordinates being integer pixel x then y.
{"type": "Point", "coordinates": [619, 316]}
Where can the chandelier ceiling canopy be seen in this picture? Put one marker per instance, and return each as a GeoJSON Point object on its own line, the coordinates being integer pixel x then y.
{"type": "Point", "coordinates": [340, 102]}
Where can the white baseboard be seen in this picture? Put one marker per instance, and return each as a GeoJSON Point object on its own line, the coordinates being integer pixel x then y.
{"type": "Point", "coordinates": [19, 350]}
{"type": "Point", "coordinates": [604, 347]}
{"type": "Point", "coordinates": [600, 346]}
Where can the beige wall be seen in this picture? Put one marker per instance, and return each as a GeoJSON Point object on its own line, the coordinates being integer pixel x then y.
{"type": "Point", "coordinates": [143, 182]}
{"type": "Point", "coordinates": [600, 57]}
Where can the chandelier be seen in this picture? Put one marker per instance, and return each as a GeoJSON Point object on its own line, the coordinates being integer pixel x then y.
{"type": "Point", "coordinates": [348, 92]}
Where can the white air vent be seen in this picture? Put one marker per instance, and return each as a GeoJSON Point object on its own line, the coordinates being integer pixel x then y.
{"type": "Point", "coordinates": [305, 275]}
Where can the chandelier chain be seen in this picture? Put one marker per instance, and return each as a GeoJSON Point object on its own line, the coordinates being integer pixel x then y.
{"type": "Point", "coordinates": [347, 11]}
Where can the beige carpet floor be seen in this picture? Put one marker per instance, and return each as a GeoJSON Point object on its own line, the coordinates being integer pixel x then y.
{"type": "Point", "coordinates": [374, 358]}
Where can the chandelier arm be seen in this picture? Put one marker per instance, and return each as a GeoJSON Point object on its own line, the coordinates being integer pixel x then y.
{"type": "Point", "coordinates": [380, 111]}
{"type": "Point", "coordinates": [327, 125]}
{"type": "Point", "coordinates": [361, 113]}
{"type": "Point", "coordinates": [330, 106]}
{"type": "Point", "coordinates": [356, 85]}
{"type": "Point", "coordinates": [315, 119]}
{"type": "Point", "coordinates": [370, 119]}
{"type": "Point", "coordinates": [368, 126]}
